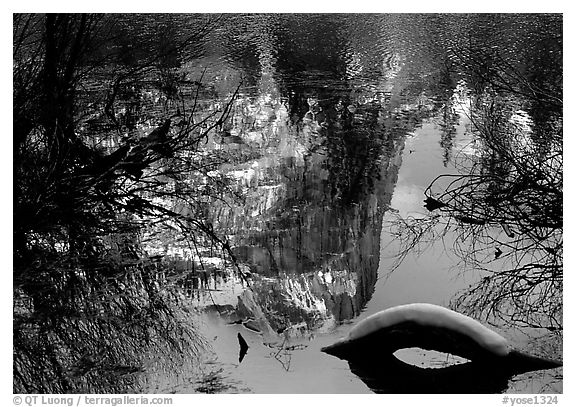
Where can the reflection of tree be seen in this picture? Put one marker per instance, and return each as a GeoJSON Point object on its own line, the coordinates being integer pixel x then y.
{"type": "Point", "coordinates": [354, 153]}
{"type": "Point", "coordinates": [506, 206]}
{"type": "Point", "coordinates": [448, 132]}
{"type": "Point", "coordinates": [520, 189]}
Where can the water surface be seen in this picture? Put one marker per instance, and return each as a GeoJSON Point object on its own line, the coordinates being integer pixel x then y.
{"type": "Point", "coordinates": [341, 123]}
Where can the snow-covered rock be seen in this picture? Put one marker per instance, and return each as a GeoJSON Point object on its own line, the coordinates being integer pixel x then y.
{"type": "Point", "coordinates": [374, 343]}
{"type": "Point", "coordinates": [433, 316]}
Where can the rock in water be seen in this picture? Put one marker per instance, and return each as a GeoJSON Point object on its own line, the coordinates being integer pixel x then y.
{"type": "Point", "coordinates": [432, 327]}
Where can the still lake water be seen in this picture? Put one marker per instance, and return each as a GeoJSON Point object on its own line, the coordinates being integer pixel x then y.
{"type": "Point", "coordinates": [341, 123]}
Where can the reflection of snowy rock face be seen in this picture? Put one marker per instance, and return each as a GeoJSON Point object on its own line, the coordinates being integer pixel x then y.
{"type": "Point", "coordinates": [283, 305]}
{"type": "Point", "coordinates": [312, 255]}
{"type": "Point", "coordinates": [297, 292]}
{"type": "Point", "coordinates": [461, 99]}
{"type": "Point", "coordinates": [276, 238]}
{"type": "Point", "coordinates": [249, 306]}
{"type": "Point", "coordinates": [522, 120]}
{"type": "Point", "coordinates": [521, 132]}
{"type": "Point", "coordinates": [339, 290]}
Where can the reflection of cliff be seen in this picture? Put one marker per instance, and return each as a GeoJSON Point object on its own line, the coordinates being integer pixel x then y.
{"type": "Point", "coordinates": [310, 223]}
{"type": "Point", "coordinates": [315, 144]}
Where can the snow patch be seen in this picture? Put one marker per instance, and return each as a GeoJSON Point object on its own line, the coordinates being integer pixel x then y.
{"type": "Point", "coordinates": [433, 316]}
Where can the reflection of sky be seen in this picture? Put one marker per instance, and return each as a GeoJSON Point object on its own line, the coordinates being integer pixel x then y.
{"type": "Point", "coordinates": [408, 200]}
{"type": "Point", "coordinates": [421, 162]}
{"type": "Point", "coordinates": [423, 276]}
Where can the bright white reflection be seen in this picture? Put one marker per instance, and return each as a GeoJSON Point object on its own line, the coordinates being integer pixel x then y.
{"type": "Point", "coordinates": [429, 359]}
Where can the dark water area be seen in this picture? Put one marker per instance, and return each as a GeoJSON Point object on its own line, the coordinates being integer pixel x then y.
{"type": "Point", "coordinates": [341, 123]}
{"type": "Point", "coordinates": [337, 124]}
